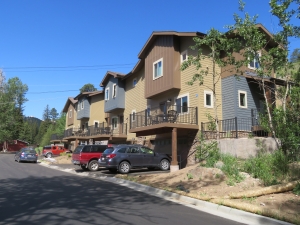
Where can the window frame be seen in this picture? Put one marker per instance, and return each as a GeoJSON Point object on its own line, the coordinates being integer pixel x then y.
{"type": "Point", "coordinates": [133, 118]}
{"type": "Point", "coordinates": [162, 68]}
{"type": "Point", "coordinates": [82, 104]}
{"type": "Point", "coordinates": [106, 96]}
{"type": "Point", "coordinates": [70, 113]}
{"type": "Point", "coordinates": [78, 106]}
{"type": "Point", "coordinates": [254, 60]}
{"type": "Point", "coordinates": [96, 121]}
{"type": "Point", "coordinates": [181, 56]}
{"type": "Point", "coordinates": [239, 98]}
{"type": "Point", "coordinates": [188, 102]}
{"type": "Point", "coordinates": [133, 85]}
{"type": "Point", "coordinates": [114, 91]}
{"type": "Point", "coordinates": [212, 102]}
{"type": "Point", "coordinates": [112, 124]}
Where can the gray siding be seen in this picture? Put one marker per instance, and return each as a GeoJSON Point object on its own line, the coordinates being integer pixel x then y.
{"type": "Point", "coordinates": [85, 112]}
{"type": "Point", "coordinates": [228, 98]}
{"type": "Point", "coordinates": [119, 101]}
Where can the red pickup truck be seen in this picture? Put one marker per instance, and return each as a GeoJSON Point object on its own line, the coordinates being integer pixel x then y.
{"type": "Point", "coordinates": [51, 150]}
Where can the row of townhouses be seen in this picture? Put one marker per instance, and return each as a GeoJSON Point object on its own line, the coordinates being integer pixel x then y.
{"type": "Point", "coordinates": [153, 104]}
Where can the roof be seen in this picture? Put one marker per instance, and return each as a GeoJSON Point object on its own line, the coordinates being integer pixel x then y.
{"type": "Point", "coordinates": [108, 74]}
{"type": "Point", "coordinates": [136, 68]}
{"type": "Point", "coordinates": [155, 34]}
{"type": "Point", "coordinates": [69, 101]}
{"type": "Point", "coordinates": [88, 93]}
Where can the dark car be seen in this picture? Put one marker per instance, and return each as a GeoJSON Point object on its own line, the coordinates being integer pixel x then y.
{"type": "Point", "coordinates": [122, 158]}
{"type": "Point", "coordinates": [86, 156]}
{"type": "Point", "coordinates": [26, 154]}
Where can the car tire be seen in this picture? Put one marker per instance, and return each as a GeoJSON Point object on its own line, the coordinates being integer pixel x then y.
{"type": "Point", "coordinates": [164, 165]}
{"type": "Point", "coordinates": [83, 167]}
{"type": "Point", "coordinates": [124, 167]}
{"type": "Point", "coordinates": [113, 170]}
{"type": "Point", "coordinates": [48, 155]}
{"type": "Point", "coordinates": [93, 165]}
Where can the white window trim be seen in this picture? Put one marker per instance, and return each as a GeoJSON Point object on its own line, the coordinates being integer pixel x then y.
{"type": "Point", "coordinates": [70, 113]}
{"type": "Point", "coordinates": [182, 53]}
{"type": "Point", "coordinates": [133, 82]}
{"type": "Point", "coordinates": [112, 125]}
{"type": "Point", "coordinates": [246, 101]}
{"type": "Point", "coordinates": [212, 101]}
{"type": "Point", "coordinates": [78, 106]}
{"type": "Point", "coordinates": [82, 104]}
{"type": "Point", "coordinates": [114, 91]}
{"type": "Point", "coordinates": [162, 68]}
{"type": "Point", "coordinates": [188, 102]}
{"type": "Point", "coordinates": [96, 121]}
{"type": "Point", "coordinates": [133, 111]}
{"type": "Point", "coordinates": [254, 68]}
{"type": "Point", "coordinates": [106, 99]}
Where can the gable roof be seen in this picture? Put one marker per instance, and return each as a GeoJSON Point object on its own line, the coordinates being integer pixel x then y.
{"type": "Point", "coordinates": [69, 101]}
{"type": "Point", "coordinates": [110, 73]}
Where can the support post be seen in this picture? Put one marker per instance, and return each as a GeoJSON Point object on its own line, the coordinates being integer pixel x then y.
{"type": "Point", "coordinates": [174, 164]}
{"type": "Point", "coordinates": [236, 128]}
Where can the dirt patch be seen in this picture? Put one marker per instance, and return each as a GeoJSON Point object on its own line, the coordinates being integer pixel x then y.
{"type": "Point", "coordinates": [210, 184]}
{"type": "Point", "coordinates": [65, 159]}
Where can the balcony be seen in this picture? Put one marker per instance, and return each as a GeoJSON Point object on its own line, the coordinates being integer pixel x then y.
{"type": "Point", "coordinates": [162, 119]}
{"type": "Point", "coordinates": [101, 132]}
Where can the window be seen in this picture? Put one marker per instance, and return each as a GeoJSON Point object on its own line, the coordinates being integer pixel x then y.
{"type": "Point", "coordinates": [77, 106]}
{"type": "Point", "coordinates": [147, 151]}
{"type": "Point", "coordinates": [114, 122]}
{"type": "Point", "coordinates": [70, 113]}
{"type": "Point", "coordinates": [122, 150]}
{"type": "Point", "coordinates": [107, 94]}
{"type": "Point", "coordinates": [114, 91]}
{"type": "Point", "coordinates": [208, 99]}
{"type": "Point", "coordinates": [133, 112]}
{"type": "Point", "coordinates": [254, 64]}
{"type": "Point", "coordinates": [96, 124]}
{"type": "Point", "coordinates": [148, 110]}
{"type": "Point", "coordinates": [242, 99]}
{"type": "Point", "coordinates": [134, 82]}
{"type": "Point", "coordinates": [158, 69]}
{"type": "Point", "coordinates": [182, 104]}
{"type": "Point", "coordinates": [184, 56]}
{"type": "Point", "coordinates": [81, 104]}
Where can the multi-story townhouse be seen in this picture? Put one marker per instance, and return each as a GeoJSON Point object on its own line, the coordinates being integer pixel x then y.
{"type": "Point", "coordinates": [174, 109]}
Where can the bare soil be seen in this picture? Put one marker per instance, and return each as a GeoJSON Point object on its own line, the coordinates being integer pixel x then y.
{"type": "Point", "coordinates": [210, 184]}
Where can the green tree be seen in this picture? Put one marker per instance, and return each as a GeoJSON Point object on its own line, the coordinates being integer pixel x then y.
{"type": "Point", "coordinates": [47, 113]}
{"type": "Point", "coordinates": [53, 114]}
{"type": "Point", "coordinates": [295, 56]}
{"type": "Point", "coordinates": [87, 88]}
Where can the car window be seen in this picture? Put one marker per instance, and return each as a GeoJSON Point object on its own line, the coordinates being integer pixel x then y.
{"type": "Point", "coordinates": [146, 150]}
{"type": "Point", "coordinates": [133, 150]}
{"type": "Point", "coordinates": [78, 149]}
{"type": "Point", "coordinates": [108, 150]}
{"type": "Point", "coordinates": [47, 147]}
{"type": "Point", "coordinates": [29, 151]}
{"type": "Point", "coordinates": [98, 148]}
{"type": "Point", "coordinates": [122, 150]}
{"type": "Point", "coordinates": [86, 149]}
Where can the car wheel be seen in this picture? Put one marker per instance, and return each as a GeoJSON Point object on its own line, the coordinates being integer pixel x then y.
{"type": "Point", "coordinates": [124, 167]}
{"type": "Point", "coordinates": [83, 167]}
{"type": "Point", "coordinates": [112, 170]}
{"type": "Point", "coordinates": [164, 164]}
{"type": "Point", "coordinates": [48, 155]}
{"type": "Point", "coordinates": [93, 165]}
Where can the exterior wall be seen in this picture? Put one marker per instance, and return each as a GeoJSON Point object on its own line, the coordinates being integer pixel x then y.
{"type": "Point", "coordinates": [134, 99]}
{"type": "Point", "coordinates": [70, 120]}
{"type": "Point", "coordinates": [97, 109]}
{"type": "Point", "coordinates": [85, 112]}
{"type": "Point", "coordinates": [167, 48]}
{"type": "Point", "coordinates": [119, 101]}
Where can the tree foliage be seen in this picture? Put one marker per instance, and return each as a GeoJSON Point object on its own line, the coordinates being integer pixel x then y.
{"type": "Point", "coordinates": [87, 88]}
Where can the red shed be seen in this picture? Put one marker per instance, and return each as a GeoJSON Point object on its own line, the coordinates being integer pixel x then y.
{"type": "Point", "coordinates": [13, 146]}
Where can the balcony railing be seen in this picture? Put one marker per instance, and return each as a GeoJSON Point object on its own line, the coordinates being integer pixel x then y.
{"type": "Point", "coordinates": [101, 129]}
{"type": "Point", "coordinates": [56, 137]}
{"type": "Point", "coordinates": [164, 114]}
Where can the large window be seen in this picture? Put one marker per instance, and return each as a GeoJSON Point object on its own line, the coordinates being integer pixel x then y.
{"type": "Point", "coordinates": [254, 64]}
{"type": "Point", "coordinates": [114, 122]}
{"type": "Point", "coordinates": [208, 99]}
{"type": "Point", "coordinates": [182, 104]}
{"type": "Point", "coordinates": [107, 94]}
{"type": "Point", "coordinates": [242, 99]}
{"type": "Point", "coordinates": [114, 91]}
{"type": "Point", "coordinates": [158, 69]}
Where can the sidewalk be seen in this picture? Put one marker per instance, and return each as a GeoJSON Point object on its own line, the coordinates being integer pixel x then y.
{"type": "Point", "coordinates": [211, 208]}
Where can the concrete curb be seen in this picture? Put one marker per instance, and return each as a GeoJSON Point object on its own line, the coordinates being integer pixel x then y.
{"type": "Point", "coordinates": [208, 207]}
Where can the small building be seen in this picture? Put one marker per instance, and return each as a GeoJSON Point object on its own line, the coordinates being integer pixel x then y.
{"type": "Point", "coordinates": [13, 146]}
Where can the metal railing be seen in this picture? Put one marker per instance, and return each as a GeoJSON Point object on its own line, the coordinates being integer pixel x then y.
{"type": "Point", "coordinates": [102, 129]}
{"type": "Point", "coordinates": [56, 137]}
{"type": "Point", "coordinates": [233, 128]}
{"type": "Point", "coordinates": [164, 114]}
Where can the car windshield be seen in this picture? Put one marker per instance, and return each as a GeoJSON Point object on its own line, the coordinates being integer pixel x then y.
{"type": "Point", "coordinates": [78, 149]}
{"type": "Point", "coordinates": [108, 150]}
{"type": "Point", "coordinates": [29, 151]}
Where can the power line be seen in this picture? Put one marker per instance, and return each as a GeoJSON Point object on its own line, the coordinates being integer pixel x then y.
{"type": "Point", "coordinates": [50, 92]}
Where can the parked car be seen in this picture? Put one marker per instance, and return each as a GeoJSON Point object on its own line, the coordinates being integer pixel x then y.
{"type": "Point", "coordinates": [86, 156]}
{"type": "Point", "coordinates": [52, 150]}
{"type": "Point", "coordinates": [125, 157]}
{"type": "Point", "coordinates": [26, 154]}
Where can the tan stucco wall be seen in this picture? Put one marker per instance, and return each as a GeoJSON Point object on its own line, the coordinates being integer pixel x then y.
{"type": "Point", "coordinates": [96, 109]}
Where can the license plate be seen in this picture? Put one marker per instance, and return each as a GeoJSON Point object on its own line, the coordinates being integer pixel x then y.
{"type": "Point", "coordinates": [29, 156]}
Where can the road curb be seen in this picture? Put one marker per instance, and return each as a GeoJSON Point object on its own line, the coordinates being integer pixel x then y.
{"type": "Point", "coordinates": [208, 207]}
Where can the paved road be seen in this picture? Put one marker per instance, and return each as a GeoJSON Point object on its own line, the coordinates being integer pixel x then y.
{"type": "Point", "coordinates": [33, 194]}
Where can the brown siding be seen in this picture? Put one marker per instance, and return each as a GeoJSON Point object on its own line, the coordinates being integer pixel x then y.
{"type": "Point", "coordinates": [165, 47]}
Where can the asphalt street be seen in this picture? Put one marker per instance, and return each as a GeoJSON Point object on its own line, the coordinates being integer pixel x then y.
{"type": "Point", "coordinates": [33, 194]}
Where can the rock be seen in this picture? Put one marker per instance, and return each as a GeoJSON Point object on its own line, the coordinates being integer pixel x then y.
{"type": "Point", "coordinates": [219, 165]}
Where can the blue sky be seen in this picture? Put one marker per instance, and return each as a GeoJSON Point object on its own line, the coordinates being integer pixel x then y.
{"type": "Point", "coordinates": [55, 47]}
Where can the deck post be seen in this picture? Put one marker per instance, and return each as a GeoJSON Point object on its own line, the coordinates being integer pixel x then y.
{"type": "Point", "coordinates": [174, 164]}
